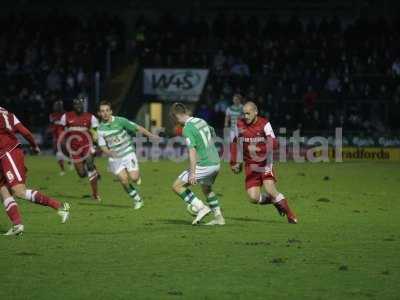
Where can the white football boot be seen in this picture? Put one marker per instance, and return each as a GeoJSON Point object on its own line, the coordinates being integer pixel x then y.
{"type": "Point", "coordinates": [63, 212]}
{"type": "Point", "coordinates": [15, 230]}
{"type": "Point", "coordinates": [219, 220]}
{"type": "Point", "coordinates": [204, 211]}
{"type": "Point", "coordinates": [138, 204]}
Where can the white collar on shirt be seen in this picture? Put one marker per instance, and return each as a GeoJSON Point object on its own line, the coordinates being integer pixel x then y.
{"type": "Point", "coordinates": [188, 120]}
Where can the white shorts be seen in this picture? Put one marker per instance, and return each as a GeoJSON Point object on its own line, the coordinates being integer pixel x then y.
{"type": "Point", "coordinates": [128, 162]}
{"type": "Point", "coordinates": [204, 174]}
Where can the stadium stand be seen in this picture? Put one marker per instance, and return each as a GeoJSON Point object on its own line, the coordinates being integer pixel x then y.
{"type": "Point", "coordinates": [44, 58]}
{"type": "Point", "coordinates": [309, 75]}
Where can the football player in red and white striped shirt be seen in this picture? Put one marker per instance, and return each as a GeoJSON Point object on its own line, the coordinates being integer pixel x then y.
{"type": "Point", "coordinates": [257, 140]}
{"type": "Point", "coordinates": [13, 172]}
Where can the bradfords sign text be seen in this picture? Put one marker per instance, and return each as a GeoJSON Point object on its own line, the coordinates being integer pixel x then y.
{"type": "Point", "coordinates": [174, 83]}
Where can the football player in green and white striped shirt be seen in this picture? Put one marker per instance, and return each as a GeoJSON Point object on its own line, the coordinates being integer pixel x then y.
{"type": "Point", "coordinates": [115, 140]}
{"type": "Point", "coordinates": [204, 165]}
{"type": "Point", "coordinates": [232, 114]}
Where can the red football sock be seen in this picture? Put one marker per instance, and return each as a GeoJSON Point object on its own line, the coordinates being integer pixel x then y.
{"type": "Point", "coordinates": [41, 199]}
{"type": "Point", "coordinates": [12, 210]}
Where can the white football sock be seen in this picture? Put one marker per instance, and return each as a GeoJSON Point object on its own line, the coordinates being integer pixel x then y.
{"type": "Point", "coordinates": [278, 198]}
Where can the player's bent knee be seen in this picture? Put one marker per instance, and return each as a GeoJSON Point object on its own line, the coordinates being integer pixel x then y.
{"type": "Point", "coordinates": [177, 186]}
{"type": "Point", "coordinates": [253, 198]}
{"type": "Point", "coordinates": [90, 163]}
{"type": "Point", "coordinates": [81, 172]}
{"type": "Point", "coordinates": [206, 189]}
{"type": "Point", "coordinates": [269, 185]}
{"type": "Point", "coordinates": [124, 180]}
{"type": "Point", "coordinates": [135, 177]}
{"type": "Point", "coordinates": [19, 192]}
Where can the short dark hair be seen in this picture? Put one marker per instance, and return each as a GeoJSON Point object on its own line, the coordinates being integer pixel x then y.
{"type": "Point", "coordinates": [78, 100]}
{"type": "Point", "coordinates": [238, 95]}
{"type": "Point", "coordinates": [105, 102]}
{"type": "Point", "coordinates": [179, 108]}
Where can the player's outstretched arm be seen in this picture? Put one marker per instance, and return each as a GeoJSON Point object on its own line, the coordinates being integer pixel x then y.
{"type": "Point", "coordinates": [192, 163]}
{"type": "Point", "coordinates": [147, 133]}
{"type": "Point", "coordinates": [28, 136]}
{"type": "Point", "coordinates": [132, 127]}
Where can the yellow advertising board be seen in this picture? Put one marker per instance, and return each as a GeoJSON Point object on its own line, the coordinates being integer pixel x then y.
{"type": "Point", "coordinates": [368, 153]}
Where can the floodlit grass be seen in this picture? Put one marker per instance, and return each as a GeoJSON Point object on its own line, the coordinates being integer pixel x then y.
{"type": "Point", "coordinates": [346, 245]}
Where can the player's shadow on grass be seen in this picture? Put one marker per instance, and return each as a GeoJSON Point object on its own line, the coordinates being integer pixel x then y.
{"type": "Point", "coordinates": [242, 219]}
{"type": "Point", "coordinates": [92, 234]}
{"type": "Point", "coordinates": [104, 205]}
{"type": "Point", "coordinates": [70, 196]}
{"type": "Point", "coordinates": [253, 220]}
{"type": "Point", "coordinates": [173, 221]}
{"type": "Point", "coordinates": [86, 196]}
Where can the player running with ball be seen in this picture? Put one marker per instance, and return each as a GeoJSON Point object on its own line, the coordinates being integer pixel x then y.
{"type": "Point", "coordinates": [256, 138]}
{"type": "Point", "coordinates": [204, 165]}
{"type": "Point", "coordinates": [115, 140]}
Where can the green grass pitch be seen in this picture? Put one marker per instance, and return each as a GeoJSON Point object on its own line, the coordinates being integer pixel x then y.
{"type": "Point", "coordinates": [346, 245]}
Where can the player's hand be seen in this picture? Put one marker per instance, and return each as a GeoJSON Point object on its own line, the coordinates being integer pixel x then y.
{"type": "Point", "coordinates": [237, 168]}
{"type": "Point", "coordinates": [36, 150]}
{"type": "Point", "coordinates": [192, 179]}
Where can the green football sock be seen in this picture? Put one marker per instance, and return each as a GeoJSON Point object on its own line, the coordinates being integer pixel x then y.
{"type": "Point", "coordinates": [187, 196]}
{"type": "Point", "coordinates": [132, 192]}
{"type": "Point", "coordinates": [212, 201]}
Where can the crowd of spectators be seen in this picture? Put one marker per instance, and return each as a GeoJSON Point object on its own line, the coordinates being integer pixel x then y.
{"type": "Point", "coordinates": [50, 57]}
{"type": "Point", "coordinates": [305, 74]}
